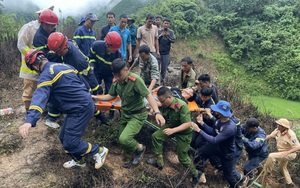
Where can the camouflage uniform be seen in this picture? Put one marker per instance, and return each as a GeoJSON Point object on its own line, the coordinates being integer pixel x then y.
{"type": "Point", "coordinates": [188, 80]}
{"type": "Point", "coordinates": [149, 69]}
{"type": "Point", "coordinates": [176, 114]}
{"type": "Point", "coordinates": [131, 91]}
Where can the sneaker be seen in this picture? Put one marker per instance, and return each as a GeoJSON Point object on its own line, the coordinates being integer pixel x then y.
{"type": "Point", "coordinates": [250, 181]}
{"type": "Point", "coordinates": [72, 163]}
{"type": "Point", "coordinates": [111, 114]}
{"type": "Point", "coordinates": [291, 185]}
{"type": "Point", "coordinates": [202, 178]}
{"type": "Point", "coordinates": [103, 119]}
{"type": "Point", "coordinates": [138, 156]}
{"type": "Point", "coordinates": [195, 179]}
{"type": "Point", "coordinates": [242, 182]}
{"type": "Point", "coordinates": [127, 164]}
{"type": "Point", "coordinates": [100, 158]}
{"type": "Point", "coordinates": [52, 124]}
{"type": "Point", "coordinates": [154, 163]}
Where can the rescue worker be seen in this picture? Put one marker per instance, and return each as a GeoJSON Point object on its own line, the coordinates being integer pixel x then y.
{"type": "Point", "coordinates": [48, 20]}
{"type": "Point", "coordinates": [68, 49]}
{"type": "Point", "coordinates": [73, 56]}
{"type": "Point", "coordinates": [287, 146]}
{"type": "Point", "coordinates": [61, 85]}
{"type": "Point", "coordinates": [256, 146]}
{"type": "Point", "coordinates": [178, 125]}
{"type": "Point", "coordinates": [125, 35]}
{"type": "Point", "coordinates": [221, 143]}
{"type": "Point", "coordinates": [101, 56]}
{"type": "Point", "coordinates": [84, 35]}
{"type": "Point", "coordinates": [110, 16]}
{"type": "Point", "coordinates": [187, 73]}
{"type": "Point", "coordinates": [25, 40]}
{"type": "Point", "coordinates": [149, 67]}
{"type": "Point", "coordinates": [131, 89]}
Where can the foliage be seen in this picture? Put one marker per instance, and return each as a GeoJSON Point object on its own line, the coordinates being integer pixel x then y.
{"type": "Point", "coordinates": [263, 36]}
{"type": "Point", "coordinates": [186, 17]}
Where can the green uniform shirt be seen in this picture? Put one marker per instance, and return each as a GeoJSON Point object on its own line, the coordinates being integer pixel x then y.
{"type": "Point", "coordinates": [176, 114]}
{"type": "Point", "coordinates": [132, 92]}
{"type": "Point", "coordinates": [188, 80]}
{"type": "Point", "coordinates": [149, 69]}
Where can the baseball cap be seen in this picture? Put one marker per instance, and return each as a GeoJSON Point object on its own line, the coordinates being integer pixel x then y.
{"type": "Point", "coordinates": [92, 17]}
{"type": "Point", "coordinates": [252, 122]}
{"type": "Point", "coordinates": [222, 107]}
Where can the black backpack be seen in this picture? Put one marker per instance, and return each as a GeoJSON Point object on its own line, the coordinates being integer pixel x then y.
{"type": "Point", "coordinates": [176, 92]}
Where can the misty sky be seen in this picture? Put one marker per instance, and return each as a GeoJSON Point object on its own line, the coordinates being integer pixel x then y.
{"type": "Point", "coordinates": [68, 7]}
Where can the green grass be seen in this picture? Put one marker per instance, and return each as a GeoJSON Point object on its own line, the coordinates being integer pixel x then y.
{"type": "Point", "coordinates": [278, 107]}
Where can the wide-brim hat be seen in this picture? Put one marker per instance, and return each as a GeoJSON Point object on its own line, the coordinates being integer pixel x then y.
{"type": "Point", "coordinates": [283, 122]}
{"type": "Point", "coordinates": [40, 11]}
{"type": "Point", "coordinates": [131, 19]}
{"type": "Point", "coordinates": [222, 107]}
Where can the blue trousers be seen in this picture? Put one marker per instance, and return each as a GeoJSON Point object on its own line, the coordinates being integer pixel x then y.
{"type": "Point", "coordinates": [252, 163]}
{"type": "Point", "coordinates": [228, 166]}
{"type": "Point", "coordinates": [72, 131]}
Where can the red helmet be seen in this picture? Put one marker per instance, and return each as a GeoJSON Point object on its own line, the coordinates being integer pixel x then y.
{"type": "Point", "coordinates": [31, 56]}
{"type": "Point", "coordinates": [57, 42]}
{"type": "Point", "coordinates": [114, 40]}
{"type": "Point", "coordinates": [48, 17]}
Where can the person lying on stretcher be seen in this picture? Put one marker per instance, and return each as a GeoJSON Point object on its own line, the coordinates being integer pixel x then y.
{"type": "Point", "coordinates": [187, 95]}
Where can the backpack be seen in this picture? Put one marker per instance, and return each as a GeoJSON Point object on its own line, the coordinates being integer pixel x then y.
{"type": "Point", "coordinates": [176, 92]}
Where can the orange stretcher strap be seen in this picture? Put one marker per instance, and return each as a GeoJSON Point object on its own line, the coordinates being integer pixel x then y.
{"type": "Point", "coordinates": [108, 105]}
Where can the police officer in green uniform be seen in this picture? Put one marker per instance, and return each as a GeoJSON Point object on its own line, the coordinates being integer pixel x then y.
{"type": "Point", "coordinates": [131, 89]}
{"type": "Point", "coordinates": [178, 125]}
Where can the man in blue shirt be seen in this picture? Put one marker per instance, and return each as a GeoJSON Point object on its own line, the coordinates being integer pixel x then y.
{"type": "Point", "coordinates": [256, 146]}
{"type": "Point", "coordinates": [84, 35]}
{"type": "Point", "coordinates": [133, 32]}
{"type": "Point", "coordinates": [125, 35]}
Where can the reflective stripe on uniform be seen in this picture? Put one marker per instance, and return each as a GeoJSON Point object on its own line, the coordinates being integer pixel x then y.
{"type": "Point", "coordinates": [53, 115]}
{"type": "Point", "coordinates": [92, 61]}
{"type": "Point", "coordinates": [36, 108]}
{"type": "Point", "coordinates": [41, 47]}
{"type": "Point", "coordinates": [260, 139]}
{"type": "Point", "coordinates": [96, 113]}
{"type": "Point", "coordinates": [84, 37]}
{"type": "Point", "coordinates": [25, 50]}
{"type": "Point", "coordinates": [95, 88]}
{"type": "Point", "coordinates": [89, 149]}
{"type": "Point", "coordinates": [100, 58]}
{"type": "Point", "coordinates": [56, 78]}
{"type": "Point", "coordinates": [85, 71]}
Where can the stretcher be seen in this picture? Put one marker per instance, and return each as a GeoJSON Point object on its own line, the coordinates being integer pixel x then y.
{"type": "Point", "coordinates": [116, 104]}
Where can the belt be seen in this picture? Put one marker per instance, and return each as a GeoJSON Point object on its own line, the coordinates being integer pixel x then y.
{"type": "Point", "coordinates": [138, 111]}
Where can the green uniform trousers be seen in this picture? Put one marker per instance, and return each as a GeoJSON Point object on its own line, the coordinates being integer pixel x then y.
{"type": "Point", "coordinates": [130, 125]}
{"type": "Point", "coordinates": [183, 145]}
